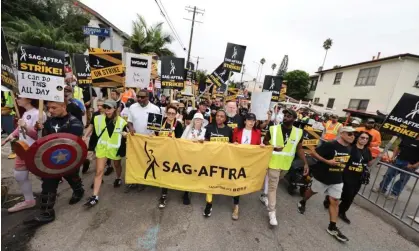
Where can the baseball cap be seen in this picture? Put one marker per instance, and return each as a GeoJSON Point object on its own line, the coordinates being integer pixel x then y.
{"type": "Point", "coordinates": [290, 111]}
{"type": "Point", "coordinates": [347, 129]}
{"type": "Point", "coordinates": [111, 103]}
{"type": "Point", "coordinates": [250, 116]}
{"type": "Point", "coordinates": [356, 122]}
{"type": "Point", "coordinates": [370, 120]}
{"type": "Point", "coordinates": [198, 116]}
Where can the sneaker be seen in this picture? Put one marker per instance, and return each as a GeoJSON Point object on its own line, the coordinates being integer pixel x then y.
{"type": "Point", "coordinates": [86, 165]}
{"type": "Point", "coordinates": [92, 201]}
{"type": "Point", "coordinates": [93, 184]}
{"type": "Point", "coordinates": [208, 210]}
{"type": "Point", "coordinates": [76, 197]}
{"type": "Point", "coordinates": [186, 199]}
{"type": "Point", "coordinates": [378, 190]}
{"type": "Point", "coordinates": [272, 219]}
{"type": "Point", "coordinates": [117, 183]}
{"type": "Point", "coordinates": [337, 234]}
{"type": "Point", "coordinates": [235, 215]}
{"type": "Point", "coordinates": [344, 218]}
{"type": "Point", "coordinates": [301, 207]}
{"type": "Point", "coordinates": [392, 196]}
{"type": "Point", "coordinates": [264, 199]}
{"type": "Point", "coordinates": [21, 206]}
{"type": "Point", "coordinates": [130, 187]}
{"type": "Point", "coordinates": [40, 218]}
{"type": "Point", "coordinates": [162, 202]}
{"type": "Point", "coordinates": [12, 156]}
{"type": "Point", "coordinates": [108, 171]}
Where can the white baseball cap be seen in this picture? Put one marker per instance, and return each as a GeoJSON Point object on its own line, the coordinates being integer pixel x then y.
{"type": "Point", "coordinates": [347, 129]}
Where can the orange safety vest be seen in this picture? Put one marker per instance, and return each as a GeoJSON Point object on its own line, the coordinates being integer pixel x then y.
{"type": "Point", "coordinates": [331, 130]}
{"type": "Point", "coordinates": [127, 95]}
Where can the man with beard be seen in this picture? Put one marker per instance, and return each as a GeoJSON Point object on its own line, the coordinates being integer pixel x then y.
{"type": "Point", "coordinates": [328, 176]}
{"type": "Point", "coordinates": [286, 140]}
{"type": "Point", "coordinates": [376, 136]}
{"type": "Point", "coordinates": [233, 119]}
{"type": "Point", "coordinates": [202, 108]}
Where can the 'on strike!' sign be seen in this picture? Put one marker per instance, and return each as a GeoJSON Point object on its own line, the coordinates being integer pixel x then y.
{"type": "Point", "coordinates": [41, 73]}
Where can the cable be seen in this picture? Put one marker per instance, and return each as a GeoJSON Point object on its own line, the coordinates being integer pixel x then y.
{"type": "Point", "coordinates": [171, 26]}
{"type": "Point", "coordinates": [170, 21]}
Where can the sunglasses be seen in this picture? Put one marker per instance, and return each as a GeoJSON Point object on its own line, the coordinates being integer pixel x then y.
{"type": "Point", "coordinates": [141, 97]}
{"type": "Point", "coordinates": [350, 134]}
{"type": "Point", "coordinates": [106, 107]}
{"type": "Point", "coordinates": [170, 113]}
{"type": "Point", "coordinates": [364, 138]}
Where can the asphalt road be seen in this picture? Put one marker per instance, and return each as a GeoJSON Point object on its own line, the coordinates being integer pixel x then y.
{"type": "Point", "coordinates": [132, 221]}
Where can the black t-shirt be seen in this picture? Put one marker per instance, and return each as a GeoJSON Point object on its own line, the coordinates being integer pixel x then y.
{"type": "Point", "coordinates": [356, 165]}
{"type": "Point", "coordinates": [159, 104]}
{"type": "Point", "coordinates": [167, 129]}
{"type": "Point", "coordinates": [265, 129]}
{"type": "Point", "coordinates": [66, 124]}
{"type": "Point", "coordinates": [192, 113]}
{"type": "Point", "coordinates": [286, 132]}
{"type": "Point", "coordinates": [331, 174]}
{"type": "Point", "coordinates": [74, 110]}
{"type": "Point", "coordinates": [86, 93]}
{"type": "Point", "coordinates": [214, 133]}
{"type": "Point", "coordinates": [409, 150]}
{"type": "Point", "coordinates": [233, 122]}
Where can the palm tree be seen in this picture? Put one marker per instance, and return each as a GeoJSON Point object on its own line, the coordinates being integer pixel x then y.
{"type": "Point", "coordinates": [262, 62]}
{"type": "Point", "coordinates": [149, 39]}
{"type": "Point", "coordinates": [327, 44]}
{"type": "Point", "coordinates": [36, 33]}
{"type": "Point", "coordinates": [273, 68]}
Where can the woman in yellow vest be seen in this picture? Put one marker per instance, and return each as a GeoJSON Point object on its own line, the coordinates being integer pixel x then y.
{"type": "Point", "coordinates": [111, 132]}
{"type": "Point", "coordinates": [287, 141]}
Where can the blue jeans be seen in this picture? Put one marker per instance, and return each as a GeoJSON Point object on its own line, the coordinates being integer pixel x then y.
{"type": "Point", "coordinates": [392, 173]}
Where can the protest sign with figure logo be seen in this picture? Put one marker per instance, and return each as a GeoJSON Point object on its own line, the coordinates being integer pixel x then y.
{"type": "Point", "coordinates": [154, 121]}
{"type": "Point", "coordinates": [41, 73]}
{"type": "Point", "coordinates": [138, 70]}
{"type": "Point", "coordinates": [106, 68]}
{"type": "Point", "coordinates": [172, 73]}
{"type": "Point", "coordinates": [234, 57]}
{"type": "Point", "coordinates": [82, 66]}
{"type": "Point", "coordinates": [403, 120]}
{"type": "Point", "coordinates": [272, 84]}
{"type": "Point", "coordinates": [220, 75]}
{"type": "Point", "coordinates": [8, 78]}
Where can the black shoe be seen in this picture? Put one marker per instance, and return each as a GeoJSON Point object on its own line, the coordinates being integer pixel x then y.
{"type": "Point", "coordinates": [162, 202]}
{"type": "Point", "coordinates": [130, 187]}
{"type": "Point", "coordinates": [335, 232]}
{"type": "Point", "coordinates": [76, 197]}
{"type": "Point", "coordinates": [208, 210]}
{"type": "Point", "coordinates": [186, 199]}
{"type": "Point", "coordinates": [326, 202]}
{"type": "Point", "coordinates": [301, 207]}
{"type": "Point", "coordinates": [41, 218]}
{"type": "Point", "coordinates": [108, 171]}
{"type": "Point", "coordinates": [92, 201]}
{"type": "Point", "coordinates": [86, 165]}
{"type": "Point", "coordinates": [93, 184]}
{"type": "Point", "coordinates": [117, 183]}
{"type": "Point", "coordinates": [344, 218]}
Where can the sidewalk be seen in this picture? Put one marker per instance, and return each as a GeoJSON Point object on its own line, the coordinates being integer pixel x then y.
{"type": "Point", "coordinates": [133, 222]}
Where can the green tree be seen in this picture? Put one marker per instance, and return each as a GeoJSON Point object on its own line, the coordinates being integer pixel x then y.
{"type": "Point", "coordinates": [148, 39]}
{"type": "Point", "coordinates": [297, 84]}
{"type": "Point", "coordinates": [327, 44]}
{"type": "Point", "coordinates": [273, 66]}
{"type": "Point", "coordinates": [201, 75]}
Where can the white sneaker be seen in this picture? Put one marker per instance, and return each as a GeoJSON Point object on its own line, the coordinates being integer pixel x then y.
{"type": "Point", "coordinates": [264, 199]}
{"type": "Point", "coordinates": [272, 219]}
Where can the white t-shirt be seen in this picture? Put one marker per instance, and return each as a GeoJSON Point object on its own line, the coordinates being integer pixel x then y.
{"type": "Point", "coordinates": [193, 134]}
{"type": "Point", "coordinates": [31, 117]}
{"type": "Point", "coordinates": [246, 136]}
{"type": "Point", "coordinates": [277, 118]}
{"type": "Point", "coordinates": [125, 112]}
{"type": "Point", "coordinates": [138, 116]}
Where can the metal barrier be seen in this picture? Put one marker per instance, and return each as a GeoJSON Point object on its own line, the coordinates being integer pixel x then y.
{"type": "Point", "coordinates": [403, 207]}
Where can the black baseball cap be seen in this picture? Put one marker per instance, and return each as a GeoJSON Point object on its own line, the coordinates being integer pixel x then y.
{"type": "Point", "coordinates": [250, 116]}
{"type": "Point", "coordinates": [290, 111]}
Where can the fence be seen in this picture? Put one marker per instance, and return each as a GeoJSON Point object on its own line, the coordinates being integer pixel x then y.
{"type": "Point", "coordinates": [403, 207]}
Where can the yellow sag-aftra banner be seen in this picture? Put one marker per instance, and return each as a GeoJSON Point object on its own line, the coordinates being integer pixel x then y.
{"type": "Point", "coordinates": [209, 167]}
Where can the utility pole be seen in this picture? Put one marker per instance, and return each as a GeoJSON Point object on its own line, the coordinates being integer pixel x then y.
{"type": "Point", "coordinates": [197, 62]}
{"type": "Point", "coordinates": [195, 11]}
{"type": "Point", "coordinates": [241, 79]}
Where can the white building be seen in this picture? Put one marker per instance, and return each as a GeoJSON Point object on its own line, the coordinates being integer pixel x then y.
{"type": "Point", "coordinates": [368, 86]}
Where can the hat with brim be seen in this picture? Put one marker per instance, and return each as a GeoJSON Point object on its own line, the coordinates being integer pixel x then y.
{"type": "Point", "coordinates": [347, 129]}
{"type": "Point", "coordinates": [110, 103]}
{"type": "Point", "coordinates": [290, 111]}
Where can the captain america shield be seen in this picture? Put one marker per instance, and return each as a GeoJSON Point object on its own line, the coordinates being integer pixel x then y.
{"type": "Point", "coordinates": [56, 155]}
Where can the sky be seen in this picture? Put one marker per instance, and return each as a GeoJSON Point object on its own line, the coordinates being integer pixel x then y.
{"type": "Point", "coordinates": [271, 29]}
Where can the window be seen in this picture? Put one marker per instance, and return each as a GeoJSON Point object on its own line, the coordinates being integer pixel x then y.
{"type": "Point", "coordinates": [417, 82]}
{"type": "Point", "coordinates": [330, 103]}
{"type": "Point", "coordinates": [367, 76]}
{"type": "Point", "coordinates": [358, 104]}
{"type": "Point", "coordinates": [316, 100]}
{"type": "Point", "coordinates": [313, 85]}
{"type": "Point", "coordinates": [338, 77]}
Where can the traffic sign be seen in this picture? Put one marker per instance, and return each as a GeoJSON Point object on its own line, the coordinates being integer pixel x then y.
{"type": "Point", "coordinates": [95, 31]}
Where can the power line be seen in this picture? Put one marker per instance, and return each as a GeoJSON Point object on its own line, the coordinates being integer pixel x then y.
{"type": "Point", "coordinates": [171, 26]}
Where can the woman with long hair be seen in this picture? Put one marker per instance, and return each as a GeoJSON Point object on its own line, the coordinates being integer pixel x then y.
{"type": "Point", "coordinates": [25, 132]}
{"type": "Point", "coordinates": [110, 129]}
{"type": "Point", "coordinates": [172, 128]}
{"type": "Point", "coordinates": [195, 131]}
{"type": "Point", "coordinates": [247, 134]}
{"type": "Point", "coordinates": [217, 132]}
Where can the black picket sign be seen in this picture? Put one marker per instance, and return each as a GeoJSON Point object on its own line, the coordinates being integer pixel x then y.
{"type": "Point", "coordinates": [234, 57]}
{"type": "Point", "coordinates": [272, 84]}
{"type": "Point", "coordinates": [172, 73]}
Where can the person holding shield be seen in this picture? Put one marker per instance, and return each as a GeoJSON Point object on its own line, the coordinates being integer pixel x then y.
{"type": "Point", "coordinates": [111, 130]}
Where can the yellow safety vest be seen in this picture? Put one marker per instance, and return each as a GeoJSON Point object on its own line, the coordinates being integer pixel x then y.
{"type": "Point", "coordinates": [331, 133]}
{"type": "Point", "coordinates": [283, 159]}
{"type": "Point", "coordinates": [108, 146]}
{"type": "Point", "coordinates": [78, 93]}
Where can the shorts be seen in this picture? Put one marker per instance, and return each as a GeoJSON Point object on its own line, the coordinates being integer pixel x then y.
{"type": "Point", "coordinates": [333, 190]}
